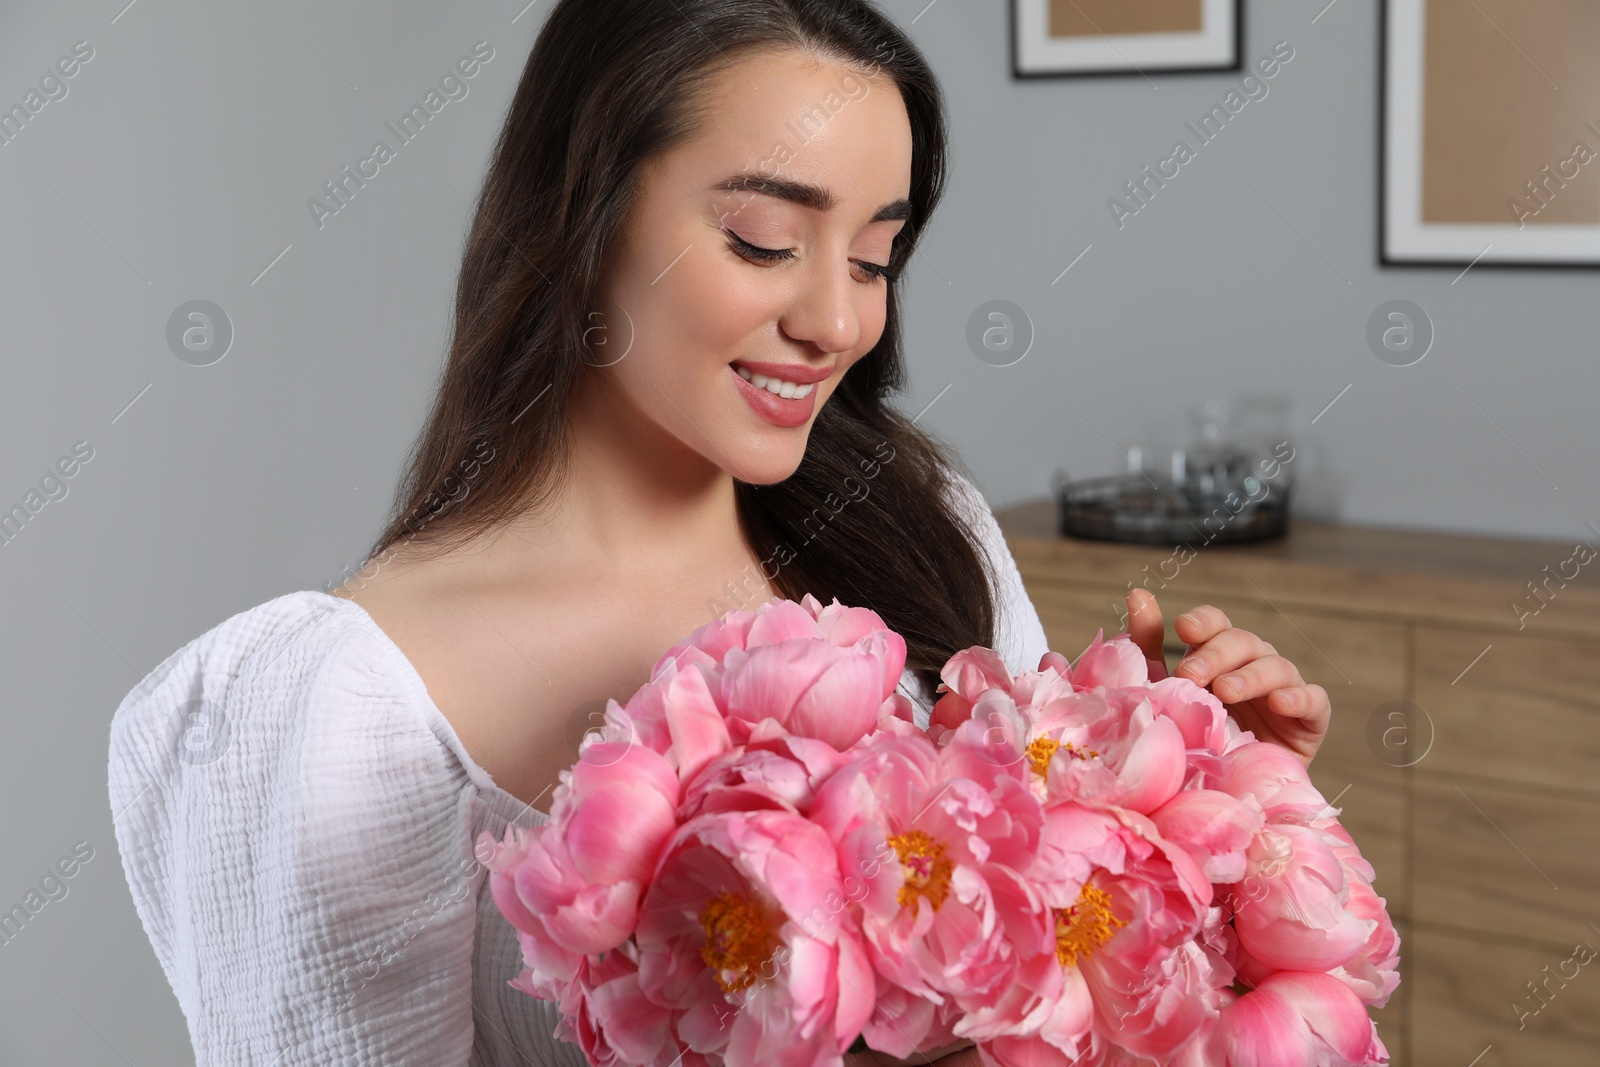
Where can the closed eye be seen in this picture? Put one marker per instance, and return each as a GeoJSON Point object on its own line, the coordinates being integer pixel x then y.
{"type": "Point", "coordinates": [776, 255]}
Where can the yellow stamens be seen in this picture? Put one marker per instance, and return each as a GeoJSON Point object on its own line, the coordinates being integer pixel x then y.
{"type": "Point", "coordinates": [927, 871]}
{"type": "Point", "coordinates": [1042, 749]}
{"type": "Point", "coordinates": [738, 940]}
{"type": "Point", "coordinates": [1086, 926]}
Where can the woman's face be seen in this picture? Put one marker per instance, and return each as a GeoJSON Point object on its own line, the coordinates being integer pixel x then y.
{"type": "Point", "coordinates": [752, 255]}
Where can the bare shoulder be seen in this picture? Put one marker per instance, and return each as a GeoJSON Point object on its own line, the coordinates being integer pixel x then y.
{"type": "Point", "coordinates": [482, 652]}
{"type": "Point", "coordinates": [405, 601]}
{"type": "Point", "coordinates": [519, 667]}
{"type": "Point", "coordinates": [522, 661]}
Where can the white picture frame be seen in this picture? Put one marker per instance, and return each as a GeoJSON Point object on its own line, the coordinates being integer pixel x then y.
{"type": "Point", "coordinates": [1216, 46]}
{"type": "Point", "coordinates": [1505, 145]}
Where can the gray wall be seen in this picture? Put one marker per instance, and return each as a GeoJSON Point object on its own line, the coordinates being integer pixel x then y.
{"type": "Point", "coordinates": [178, 166]}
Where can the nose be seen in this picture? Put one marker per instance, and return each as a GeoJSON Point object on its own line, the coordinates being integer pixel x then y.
{"type": "Point", "coordinates": [823, 311]}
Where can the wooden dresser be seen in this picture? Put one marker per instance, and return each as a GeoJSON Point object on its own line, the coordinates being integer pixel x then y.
{"type": "Point", "coordinates": [1464, 751]}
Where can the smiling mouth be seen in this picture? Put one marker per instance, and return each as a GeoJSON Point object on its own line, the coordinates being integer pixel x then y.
{"type": "Point", "coordinates": [776, 386]}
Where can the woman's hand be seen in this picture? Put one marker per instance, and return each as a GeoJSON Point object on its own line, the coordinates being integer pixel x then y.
{"type": "Point", "coordinates": [1261, 690]}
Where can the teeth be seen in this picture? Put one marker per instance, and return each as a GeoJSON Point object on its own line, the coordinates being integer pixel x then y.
{"type": "Point", "coordinates": [787, 390]}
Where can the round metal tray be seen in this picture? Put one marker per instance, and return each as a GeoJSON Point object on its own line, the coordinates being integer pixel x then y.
{"type": "Point", "coordinates": [1137, 509]}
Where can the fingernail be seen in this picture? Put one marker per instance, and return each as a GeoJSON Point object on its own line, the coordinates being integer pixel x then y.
{"type": "Point", "coordinates": [1188, 618]}
{"type": "Point", "coordinates": [1232, 681]}
{"type": "Point", "coordinates": [1195, 665]}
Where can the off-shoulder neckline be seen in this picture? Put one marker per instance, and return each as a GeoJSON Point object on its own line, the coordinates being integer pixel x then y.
{"type": "Point", "coordinates": [512, 807]}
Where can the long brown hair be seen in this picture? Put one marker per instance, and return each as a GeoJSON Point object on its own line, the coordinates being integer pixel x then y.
{"type": "Point", "coordinates": [608, 84]}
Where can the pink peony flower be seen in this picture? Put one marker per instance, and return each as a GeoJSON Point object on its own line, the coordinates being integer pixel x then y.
{"type": "Point", "coordinates": [820, 671]}
{"type": "Point", "coordinates": [1129, 907]}
{"type": "Point", "coordinates": [815, 689]}
{"type": "Point", "coordinates": [1114, 664]}
{"type": "Point", "coordinates": [1373, 972]}
{"type": "Point", "coordinates": [967, 676]}
{"type": "Point", "coordinates": [742, 936]}
{"type": "Point", "coordinates": [1199, 715]}
{"type": "Point", "coordinates": [1109, 748]}
{"type": "Point", "coordinates": [1102, 747]}
{"type": "Point", "coordinates": [936, 862]}
{"type": "Point", "coordinates": [1097, 733]}
{"type": "Point", "coordinates": [1120, 664]}
{"type": "Point", "coordinates": [761, 857]}
{"type": "Point", "coordinates": [1295, 914]}
{"type": "Point", "coordinates": [677, 713]}
{"type": "Point", "coordinates": [575, 880]}
{"type": "Point", "coordinates": [1274, 780]}
{"type": "Point", "coordinates": [606, 1014]}
{"type": "Point", "coordinates": [773, 769]}
{"type": "Point", "coordinates": [1214, 828]}
{"type": "Point", "coordinates": [1292, 1019]}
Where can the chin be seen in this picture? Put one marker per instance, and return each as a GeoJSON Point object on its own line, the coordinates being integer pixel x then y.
{"type": "Point", "coordinates": [767, 466]}
{"type": "Point", "coordinates": [768, 435]}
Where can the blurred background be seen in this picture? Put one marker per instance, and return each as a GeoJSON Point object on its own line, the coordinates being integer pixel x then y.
{"type": "Point", "coordinates": [1068, 319]}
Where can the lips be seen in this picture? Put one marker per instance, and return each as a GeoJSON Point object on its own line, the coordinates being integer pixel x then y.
{"type": "Point", "coordinates": [775, 409]}
{"type": "Point", "coordinates": [798, 373]}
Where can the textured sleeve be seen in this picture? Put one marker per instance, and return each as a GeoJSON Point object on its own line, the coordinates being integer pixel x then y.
{"type": "Point", "coordinates": [1019, 635]}
{"type": "Point", "coordinates": [295, 839]}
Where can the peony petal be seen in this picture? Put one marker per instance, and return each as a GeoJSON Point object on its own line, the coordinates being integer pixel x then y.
{"type": "Point", "coordinates": [1115, 664]}
{"type": "Point", "coordinates": [616, 833]}
{"type": "Point", "coordinates": [858, 994]}
{"type": "Point", "coordinates": [1333, 1014]}
{"type": "Point", "coordinates": [695, 724]}
{"type": "Point", "coordinates": [772, 678]}
{"type": "Point", "coordinates": [634, 1028]}
{"type": "Point", "coordinates": [1152, 768]}
{"type": "Point", "coordinates": [598, 919]}
{"type": "Point", "coordinates": [1261, 1029]}
{"type": "Point", "coordinates": [713, 639]}
{"type": "Point", "coordinates": [504, 892]}
{"type": "Point", "coordinates": [1213, 827]}
{"type": "Point", "coordinates": [544, 879]}
{"type": "Point", "coordinates": [611, 763]}
{"type": "Point", "coordinates": [1275, 778]}
{"type": "Point", "coordinates": [841, 705]}
{"type": "Point", "coordinates": [1199, 714]}
{"type": "Point", "coordinates": [973, 671]}
{"type": "Point", "coordinates": [778, 621]}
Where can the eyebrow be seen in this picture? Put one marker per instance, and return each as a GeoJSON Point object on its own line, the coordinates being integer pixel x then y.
{"type": "Point", "coordinates": [806, 195]}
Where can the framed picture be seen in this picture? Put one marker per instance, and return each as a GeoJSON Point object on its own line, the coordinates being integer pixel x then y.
{"type": "Point", "coordinates": [1054, 38]}
{"type": "Point", "coordinates": [1490, 138]}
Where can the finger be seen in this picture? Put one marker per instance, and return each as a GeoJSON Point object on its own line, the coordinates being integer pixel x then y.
{"type": "Point", "coordinates": [1257, 678]}
{"type": "Point", "coordinates": [1147, 630]}
{"type": "Point", "coordinates": [1228, 650]}
{"type": "Point", "coordinates": [1308, 703]}
{"type": "Point", "coordinates": [1200, 624]}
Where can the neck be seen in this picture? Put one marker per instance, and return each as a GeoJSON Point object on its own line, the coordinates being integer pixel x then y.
{"type": "Point", "coordinates": [635, 499]}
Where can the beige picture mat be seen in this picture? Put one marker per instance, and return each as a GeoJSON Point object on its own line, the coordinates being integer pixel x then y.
{"type": "Point", "coordinates": [1091, 18]}
{"type": "Point", "coordinates": [1491, 118]}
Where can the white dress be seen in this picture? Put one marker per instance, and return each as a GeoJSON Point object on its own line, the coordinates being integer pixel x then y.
{"type": "Point", "coordinates": [296, 821]}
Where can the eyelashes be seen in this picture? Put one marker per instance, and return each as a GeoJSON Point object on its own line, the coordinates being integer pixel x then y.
{"type": "Point", "coordinates": [757, 254]}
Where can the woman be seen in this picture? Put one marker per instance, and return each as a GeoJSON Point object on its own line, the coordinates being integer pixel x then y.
{"type": "Point", "coordinates": [666, 396]}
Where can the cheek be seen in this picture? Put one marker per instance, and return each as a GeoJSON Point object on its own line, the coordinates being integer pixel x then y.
{"type": "Point", "coordinates": [676, 329]}
{"type": "Point", "coordinates": [832, 384]}
{"type": "Point", "coordinates": [713, 306]}
{"type": "Point", "coordinates": [873, 318]}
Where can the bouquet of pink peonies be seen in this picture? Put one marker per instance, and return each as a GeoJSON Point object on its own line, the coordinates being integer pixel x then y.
{"type": "Point", "coordinates": [761, 861]}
